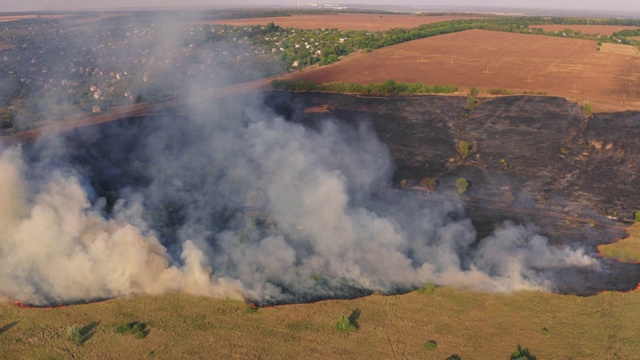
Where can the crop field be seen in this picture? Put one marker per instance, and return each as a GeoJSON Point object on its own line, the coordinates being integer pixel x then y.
{"type": "Point", "coordinates": [571, 68]}
{"type": "Point", "coordinates": [370, 22]}
{"type": "Point", "coordinates": [586, 29]}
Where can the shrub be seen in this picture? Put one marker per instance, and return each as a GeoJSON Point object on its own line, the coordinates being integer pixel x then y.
{"type": "Point", "coordinates": [428, 183]}
{"type": "Point", "coordinates": [430, 345]}
{"type": "Point", "coordinates": [587, 110]}
{"type": "Point", "coordinates": [344, 324]}
{"type": "Point", "coordinates": [73, 334]}
{"type": "Point", "coordinates": [464, 149]}
{"type": "Point", "coordinates": [522, 354]}
{"type": "Point", "coordinates": [427, 289]}
{"type": "Point", "coordinates": [463, 185]}
{"type": "Point", "coordinates": [138, 330]}
{"type": "Point", "coordinates": [637, 216]}
{"type": "Point", "coordinates": [501, 91]}
{"type": "Point", "coordinates": [473, 92]}
{"type": "Point", "coordinates": [471, 103]}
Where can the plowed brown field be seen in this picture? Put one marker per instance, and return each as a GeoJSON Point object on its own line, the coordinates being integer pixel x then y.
{"type": "Point", "coordinates": [484, 59]}
{"type": "Point", "coordinates": [370, 22]}
{"type": "Point", "coordinates": [586, 29]}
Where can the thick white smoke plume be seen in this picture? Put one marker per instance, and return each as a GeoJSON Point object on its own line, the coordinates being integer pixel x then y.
{"type": "Point", "coordinates": [243, 203]}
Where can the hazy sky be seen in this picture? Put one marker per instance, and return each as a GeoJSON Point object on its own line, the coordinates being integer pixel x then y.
{"type": "Point", "coordinates": [617, 6]}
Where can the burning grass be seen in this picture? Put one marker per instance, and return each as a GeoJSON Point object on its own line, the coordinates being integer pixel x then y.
{"type": "Point", "coordinates": [471, 325]}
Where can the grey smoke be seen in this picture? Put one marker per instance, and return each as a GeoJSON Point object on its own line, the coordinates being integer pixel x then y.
{"type": "Point", "coordinates": [263, 208]}
{"type": "Point", "coordinates": [226, 198]}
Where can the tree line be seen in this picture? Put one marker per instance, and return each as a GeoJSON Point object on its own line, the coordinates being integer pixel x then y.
{"type": "Point", "coordinates": [387, 88]}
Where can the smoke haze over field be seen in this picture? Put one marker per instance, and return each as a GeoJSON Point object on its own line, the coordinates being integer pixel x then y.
{"type": "Point", "coordinates": [229, 199]}
{"type": "Point", "coordinates": [236, 201]}
{"type": "Point", "coordinates": [622, 6]}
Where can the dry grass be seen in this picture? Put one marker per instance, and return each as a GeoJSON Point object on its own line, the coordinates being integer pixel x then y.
{"type": "Point", "coordinates": [609, 79]}
{"type": "Point", "coordinates": [473, 326]}
{"type": "Point", "coordinates": [586, 29]}
{"type": "Point", "coordinates": [370, 22]}
{"type": "Point", "coordinates": [625, 250]}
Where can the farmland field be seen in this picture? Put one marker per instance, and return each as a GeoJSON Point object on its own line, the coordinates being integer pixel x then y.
{"type": "Point", "coordinates": [371, 22]}
{"type": "Point", "coordinates": [586, 29]}
{"type": "Point", "coordinates": [571, 68]}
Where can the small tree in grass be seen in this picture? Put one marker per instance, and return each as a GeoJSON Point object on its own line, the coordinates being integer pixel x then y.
{"type": "Point", "coordinates": [637, 216]}
{"type": "Point", "coordinates": [473, 92]}
{"type": "Point", "coordinates": [464, 149]}
{"type": "Point", "coordinates": [430, 345]}
{"type": "Point", "coordinates": [344, 324]}
{"type": "Point", "coordinates": [463, 185]}
{"type": "Point", "coordinates": [522, 354]}
{"type": "Point", "coordinates": [587, 110]}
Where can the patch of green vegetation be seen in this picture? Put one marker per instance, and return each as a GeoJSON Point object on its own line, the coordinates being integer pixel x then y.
{"type": "Point", "coordinates": [636, 216]}
{"type": "Point", "coordinates": [73, 335]}
{"type": "Point", "coordinates": [349, 323]}
{"type": "Point", "coordinates": [138, 330]}
{"type": "Point", "coordinates": [471, 103]}
{"type": "Point", "coordinates": [387, 88]}
{"type": "Point", "coordinates": [344, 324]}
{"type": "Point", "coordinates": [522, 354]}
{"type": "Point", "coordinates": [500, 91]}
{"type": "Point", "coordinates": [464, 149]}
{"type": "Point", "coordinates": [587, 109]}
{"type": "Point", "coordinates": [462, 185]}
{"type": "Point", "coordinates": [428, 183]}
{"type": "Point", "coordinates": [427, 289]}
{"type": "Point", "coordinates": [430, 345]}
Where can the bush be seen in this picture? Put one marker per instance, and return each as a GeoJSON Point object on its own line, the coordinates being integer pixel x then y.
{"type": "Point", "coordinates": [637, 216]}
{"type": "Point", "coordinates": [501, 91]}
{"type": "Point", "coordinates": [462, 184]}
{"type": "Point", "coordinates": [345, 324]}
{"type": "Point", "coordinates": [430, 345]}
{"type": "Point", "coordinates": [587, 110]}
{"type": "Point", "coordinates": [522, 354]}
{"type": "Point", "coordinates": [427, 289]}
{"type": "Point", "coordinates": [138, 330]}
{"type": "Point", "coordinates": [73, 334]}
{"type": "Point", "coordinates": [473, 92]}
{"type": "Point", "coordinates": [471, 103]}
{"type": "Point", "coordinates": [428, 183]}
{"type": "Point", "coordinates": [464, 149]}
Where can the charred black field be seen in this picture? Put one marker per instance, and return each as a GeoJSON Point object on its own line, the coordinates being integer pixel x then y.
{"type": "Point", "coordinates": [537, 165]}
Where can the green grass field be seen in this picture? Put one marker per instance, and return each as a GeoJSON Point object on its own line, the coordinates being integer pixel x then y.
{"type": "Point", "coordinates": [470, 325]}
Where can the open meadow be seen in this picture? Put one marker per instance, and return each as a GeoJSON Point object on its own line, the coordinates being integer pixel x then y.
{"type": "Point", "coordinates": [470, 325]}
{"type": "Point", "coordinates": [570, 68]}
{"type": "Point", "coordinates": [370, 22]}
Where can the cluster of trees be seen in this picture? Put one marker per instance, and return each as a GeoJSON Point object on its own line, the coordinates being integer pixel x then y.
{"type": "Point", "coordinates": [331, 48]}
{"type": "Point", "coordinates": [387, 88]}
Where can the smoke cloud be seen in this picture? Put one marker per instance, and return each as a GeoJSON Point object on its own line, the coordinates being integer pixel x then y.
{"type": "Point", "coordinates": [238, 202]}
{"type": "Point", "coordinates": [228, 199]}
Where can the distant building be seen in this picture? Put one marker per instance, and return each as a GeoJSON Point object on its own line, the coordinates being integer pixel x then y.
{"type": "Point", "coordinates": [96, 109]}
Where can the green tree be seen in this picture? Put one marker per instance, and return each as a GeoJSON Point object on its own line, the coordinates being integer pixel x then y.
{"type": "Point", "coordinates": [637, 216]}
{"type": "Point", "coordinates": [471, 103]}
{"type": "Point", "coordinates": [587, 110]}
{"type": "Point", "coordinates": [462, 184]}
{"type": "Point", "coordinates": [464, 149]}
{"type": "Point", "coordinates": [473, 92]}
